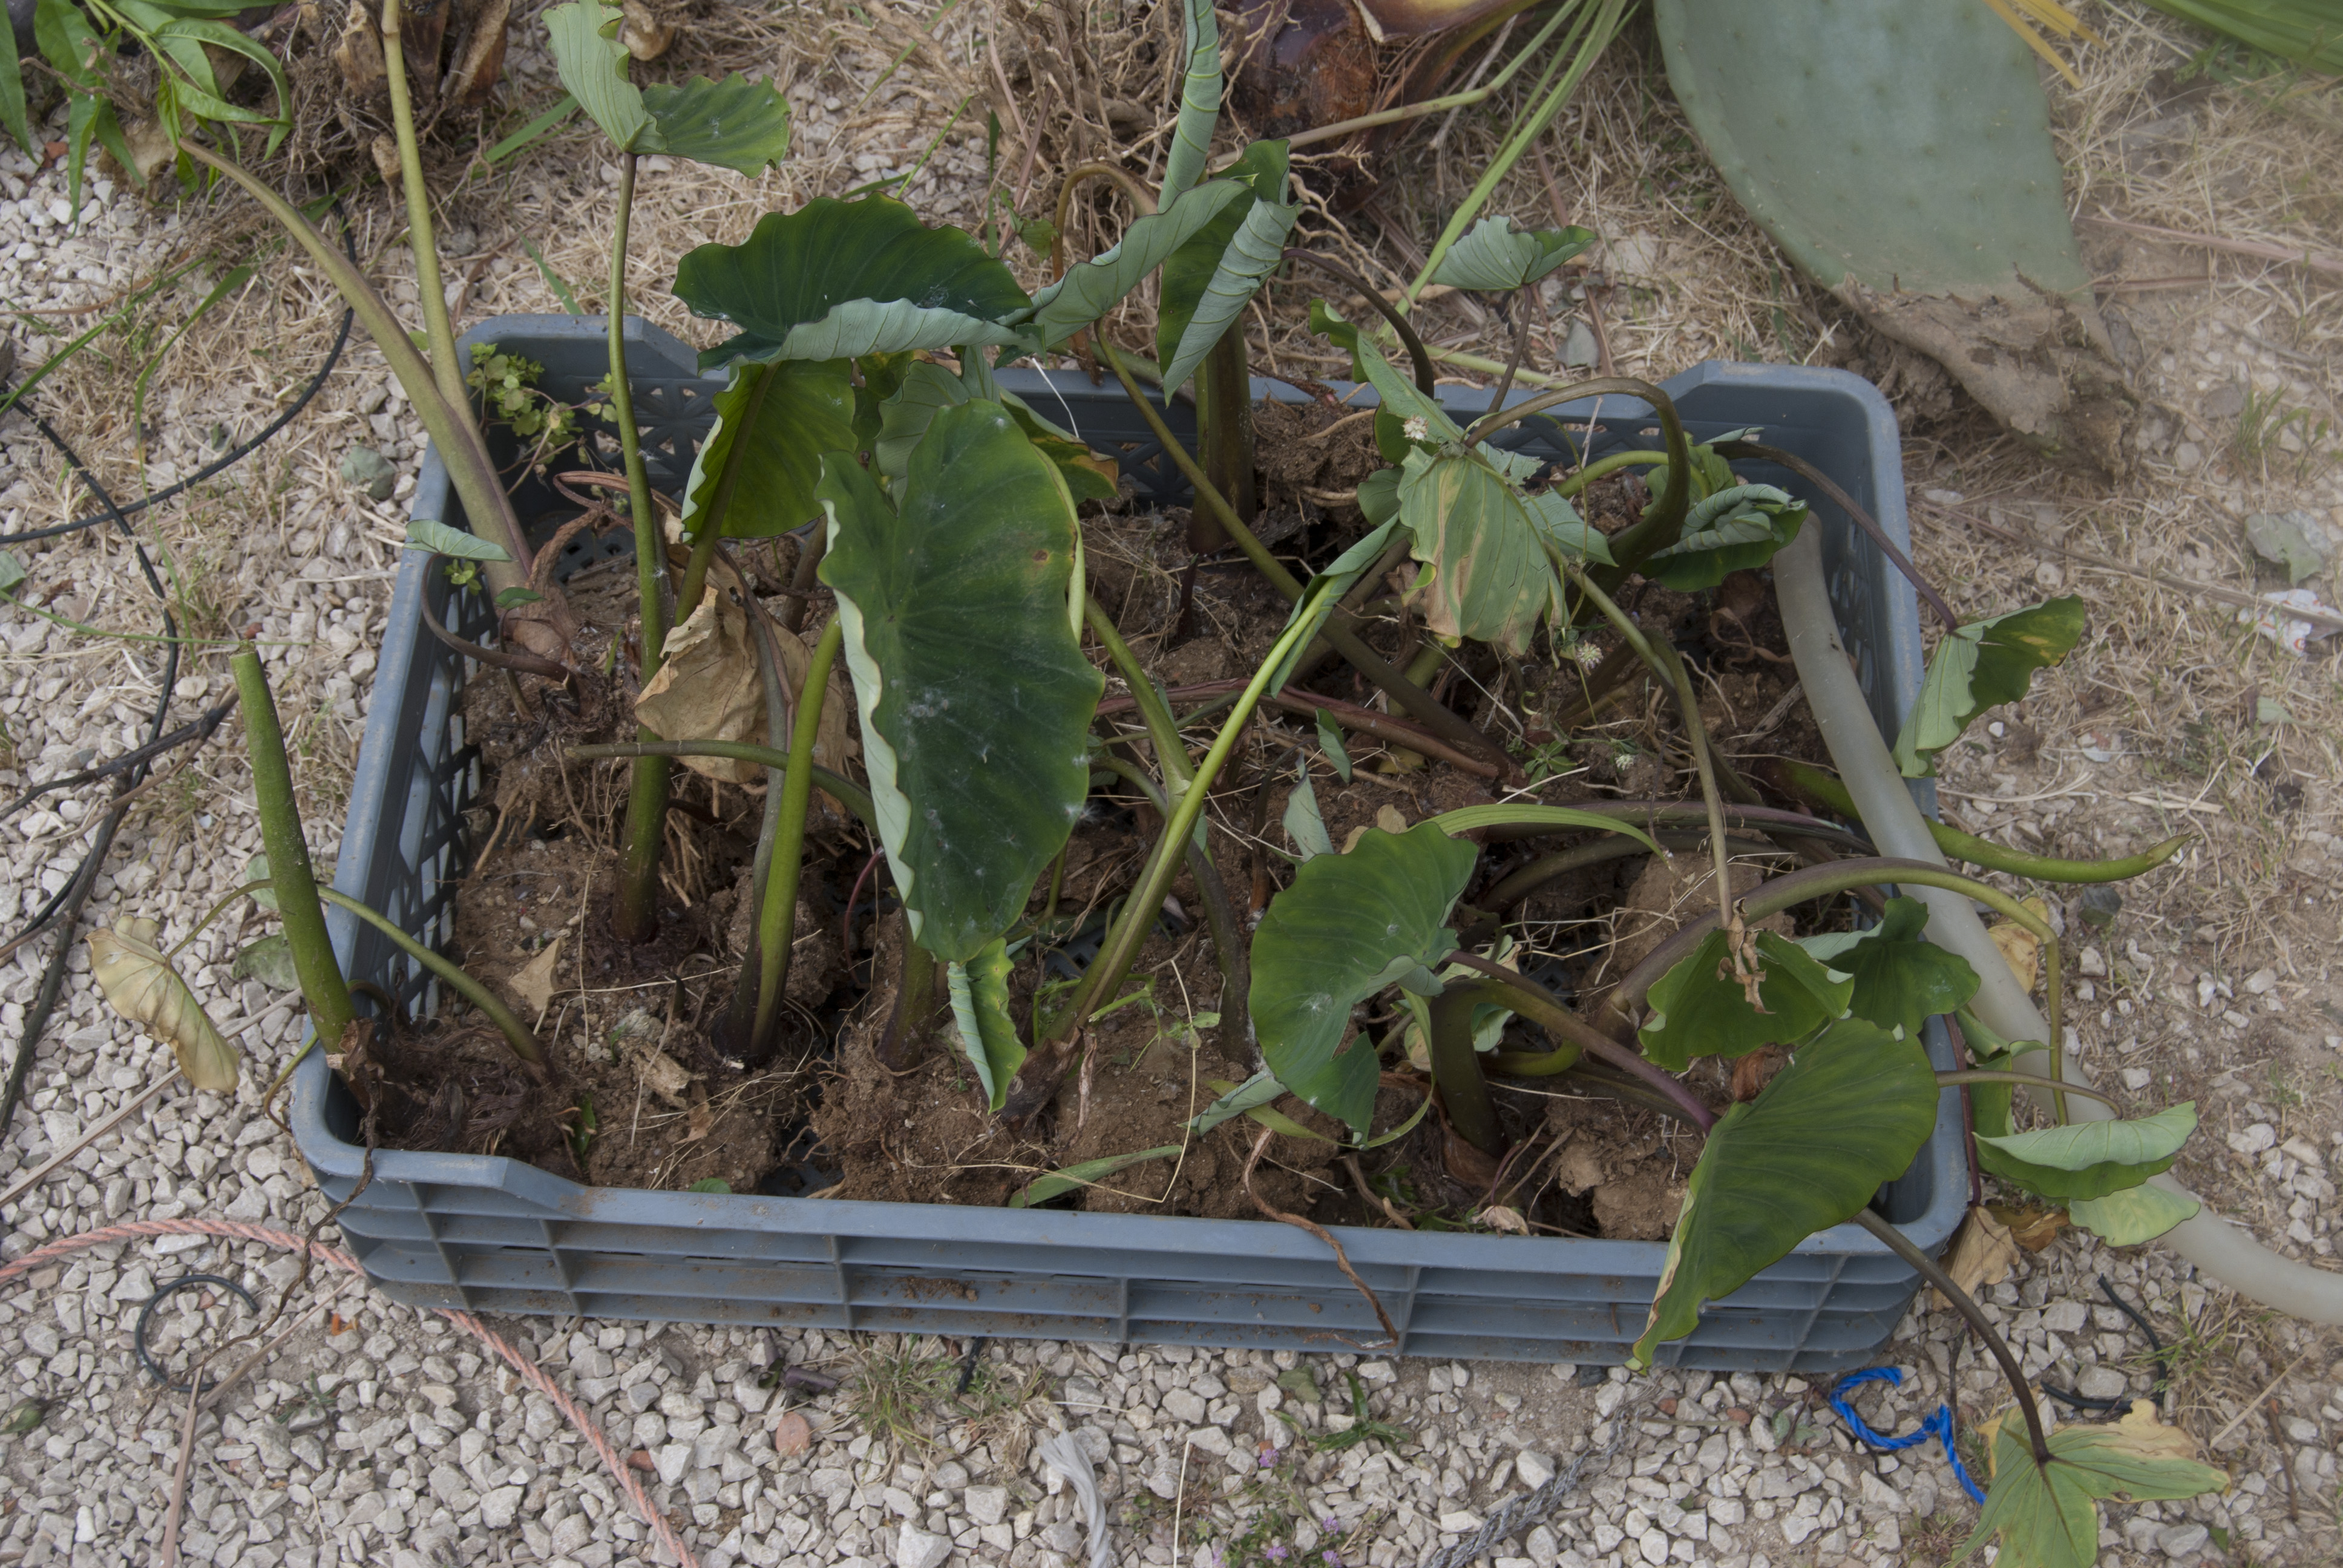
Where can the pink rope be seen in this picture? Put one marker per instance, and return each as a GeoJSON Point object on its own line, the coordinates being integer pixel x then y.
{"type": "Point", "coordinates": [529, 1372]}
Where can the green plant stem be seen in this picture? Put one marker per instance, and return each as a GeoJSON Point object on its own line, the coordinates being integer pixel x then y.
{"type": "Point", "coordinates": [1844, 877]}
{"type": "Point", "coordinates": [1171, 752]}
{"type": "Point", "coordinates": [1589, 36]}
{"type": "Point", "coordinates": [448, 422]}
{"type": "Point", "coordinates": [851, 795]}
{"type": "Point", "coordinates": [1458, 100]}
{"type": "Point", "coordinates": [322, 985]}
{"type": "Point", "coordinates": [1456, 1065]}
{"type": "Point", "coordinates": [1425, 380]}
{"type": "Point", "coordinates": [777, 918]}
{"type": "Point", "coordinates": [1220, 917]}
{"type": "Point", "coordinates": [1826, 791]}
{"type": "Point", "coordinates": [740, 1012]}
{"type": "Point", "coordinates": [439, 330]}
{"type": "Point", "coordinates": [1338, 629]}
{"type": "Point", "coordinates": [2033, 1079]}
{"type": "Point", "coordinates": [1519, 885]}
{"type": "Point", "coordinates": [1037, 1079]}
{"type": "Point", "coordinates": [1520, 313]}
{"type": "Point", "coordinates": [1537, 1004]}
{"type": "Point", "coordinates": [636, 917]}
{"type": "Point", "coordinates": [517, 1033]}
{"type": "Point", "coordinates": [1603, 468]}
{"type": "Point", "coordinates": [1928, 1270]}
{"type": "Point", "coordinates": [1224, 437]}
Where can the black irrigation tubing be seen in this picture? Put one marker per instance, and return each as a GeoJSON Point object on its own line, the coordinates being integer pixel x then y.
{"type": "Point", "coordinates": [234, 456]}
{"type": "Point", "coordinates": [63, 907]}
{"type": "Point", "coordinates": [2123, 1401]}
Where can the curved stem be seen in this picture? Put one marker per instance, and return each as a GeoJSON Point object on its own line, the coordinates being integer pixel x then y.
{"type": "Point", "coordinates": [517, 1033]}
{"type": "Point", "coordinates": [1828, 792]}
{"type": "Point", "coordinates": [636, 917]}
{"type": "Point", "coordinates": [1664, 520]}
{"type": "Point", "coordinates": [1416, 352]}
{"type": "Point", "coordinates": [1520, 884]}
{"type": "Point", "coordinates": [1760, 452]}
{"type": "Point", "coordinates": [1604, 468]}
{"type": "Point", "coordinates": [2035, 1079]}
{"type": "Point", "coordinates": [439, 330]}
{"type": "Point", "coordinates": [1220, 918]}
{"type": "Point", "coordinates": [711, 522]}
{"type": "Point", "coordinates": [512, 658]}
{"type": "Point", "coordinates": [855, 797]}
{"type": "Point", "coordinates": [1540, 1006]}
{"type": "Point", "coordinates": [1170, 754]}
{"type": "Point", "coordinates": [1338, 627]}
{"type": "Point", "coordinates": [1901, 1245]}
{"type": "Point", "coordinates": [777, 914]}
{"type": "Point", "coordinates": [1521, 348]}
{"type": "Point", "coordinates": [1456, 1065]}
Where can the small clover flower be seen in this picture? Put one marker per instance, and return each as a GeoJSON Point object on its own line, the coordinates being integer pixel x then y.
{"type": "Point", "coordinates": [1333, 1559]}
{"type": "Point", "coordinates": [1415, 428]}
{"type": "Point", "coordinates": [1329, 1524]}
{"type": "Point", "coordinates": [1274, 1553]}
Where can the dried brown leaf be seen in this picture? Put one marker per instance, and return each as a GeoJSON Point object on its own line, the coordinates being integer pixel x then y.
{"type": "Point", "coordinates": [141, 985]}
{"type": "Point", "coordinates": [533, 981]}
{"type": "Point", "coordinates": [1982, 1254]}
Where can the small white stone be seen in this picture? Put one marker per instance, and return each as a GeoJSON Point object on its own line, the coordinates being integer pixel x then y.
{"type": "Point", "coordinates": [2256, 1137]}
{"type": "Point", "coordinates": [1457, 1521]}
{"type": "Point", "coordinates": [2261, 982]}
{"type": "Point", "coordinates": [674, 1461]}
{"type": "Point", "coordinates": [1534, 1469]}
{"type": "Point", "coordinates": [497, 1508]}
{"type": "Point", "coordinates": [986, 1504]}
{"type": "Point", "coordinates": [917, 1549]}
{"type": "Point", "coordinates": [2180, 1540]}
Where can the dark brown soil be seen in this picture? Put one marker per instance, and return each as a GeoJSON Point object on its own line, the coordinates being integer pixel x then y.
{"type": "Point", "coordinates": [630, 1031]}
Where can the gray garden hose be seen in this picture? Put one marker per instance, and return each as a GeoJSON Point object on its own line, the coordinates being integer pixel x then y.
{"type": "Point", "coordinates": [2215, 1246]}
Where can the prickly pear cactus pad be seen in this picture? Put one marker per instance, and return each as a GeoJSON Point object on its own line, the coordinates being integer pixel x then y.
{"type": "Point", "coordinates": [1899, 151]}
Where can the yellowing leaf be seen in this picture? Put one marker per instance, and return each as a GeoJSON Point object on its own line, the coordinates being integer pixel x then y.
{"type": "Point", "coordinates": [140, 984]}
{"type": "Point", "coordinates": [1982, 1254]}
{"type": "Point", "coordinates": [2047, 1515]}
{"type": "Point", "coordinates": [1497, 1217]}
{"type": "Point", "coordinates": [709, 688]}
{"type": "Point", "coordinates": [2032, 1229]}
{"type": "Point", "coordinates": [2021, 950]}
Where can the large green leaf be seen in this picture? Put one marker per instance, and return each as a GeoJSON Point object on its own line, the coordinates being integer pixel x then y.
{"type": "Point", "coordinates": [1199, 97]}
{"type": "Point", "coordinates": [928, 390]}
{"type": "Point", "coordinates": [1208, 280]}
{"type": "Point", "coordinates": [807, 408]}
{"type": "Point", "coordinates": [1847, 1114]}
{"type": "Point", "coordinates": [2090, 1158]}
{"type": "Point", "coordinates": [963, 639]}
{"type": "Point", "coordinates": [2048, 1516]}
{"type": "Point", "coordinates": [1698, 1009]}
{"type": "Point", "coordinates": [735, 123]}
{"type": "Point", "coordinates": [1736, 529]}
{"type": "Point", "coordinates": [2133, 1215]}
{"type": "Point", "coordinates": [12, 119]}
{"type": "Point", "coordinates": [1901, 979]}
{"type": "Point", "coordinates": [1349, 926]}
{"type": "Point", "coordinates": [1981, 665]}
{"type": "Point", "coordinates": [1486, 544]}
{"type": "Point", "coordinates": [838, 280]}
{"type": "Point", "coordinates": [1091, 288]}
{"type": "Point", "coordinates": [988, 1035]}
{"type": "Point", "coordinates": [1493, 255]}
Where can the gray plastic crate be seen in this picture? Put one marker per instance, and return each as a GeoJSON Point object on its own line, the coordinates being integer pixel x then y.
{"type": "Point", "coordinates": [491, 1234]}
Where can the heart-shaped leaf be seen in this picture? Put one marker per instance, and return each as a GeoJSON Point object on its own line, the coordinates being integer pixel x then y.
{"type": "Point", "coordinates": [988, 1035]}
{"type": "Point", "coordinates": [1493, 255]}
{"type": "Point", "coordinates": [1981, 665]}
{"type": "Point", "coordinates": [1901, 979]}
{"type": "Point", "coordinates": [140, 984]}
{"type": "Point", "coordinates": [961, 635]}
{"type": "Point", "coordinates": [1486, 544]}
{"type": "Point", "coordinates": [734, 124]}
{"type": "Point", "coordinates": [779, 418]}
{"type": "Point", "coordinates": [2048, 1516]}
{"type": "Point", "coordinates": [1208, 280]}
{"type": "Point", "coordinates": [1091, 288]}
{"type": "Point", "coordinates": [1736, 529]}
{"type": "Point", "coordinates": [1848, 1113]}
{"type": "Point", "coordinates": [839, 280]}
{"type": "Point", "coordinates": [2133, 1215]}
{"type": "Point", "coordinates": [268, 961]}
{"type": "Point", "coordinates": [1401, 401]}
{"type": "Point", "coordinates": [1699, 1007]}
{"type": "Point", "coordinates": [2090, 1158]}
{"type": "Point", "coordinates": [1349, 926]}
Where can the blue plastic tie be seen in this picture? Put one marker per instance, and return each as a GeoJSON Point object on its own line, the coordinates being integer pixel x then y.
{"type": "Point", "coordinates": [1938, 1425]}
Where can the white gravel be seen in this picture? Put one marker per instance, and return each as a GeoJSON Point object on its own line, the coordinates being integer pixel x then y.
{"type": "Point", "coordinates": [396, 1440]}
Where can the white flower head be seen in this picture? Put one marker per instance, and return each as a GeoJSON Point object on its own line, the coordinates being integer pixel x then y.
{"type": "Point", "coordinates": [1415, 428]}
